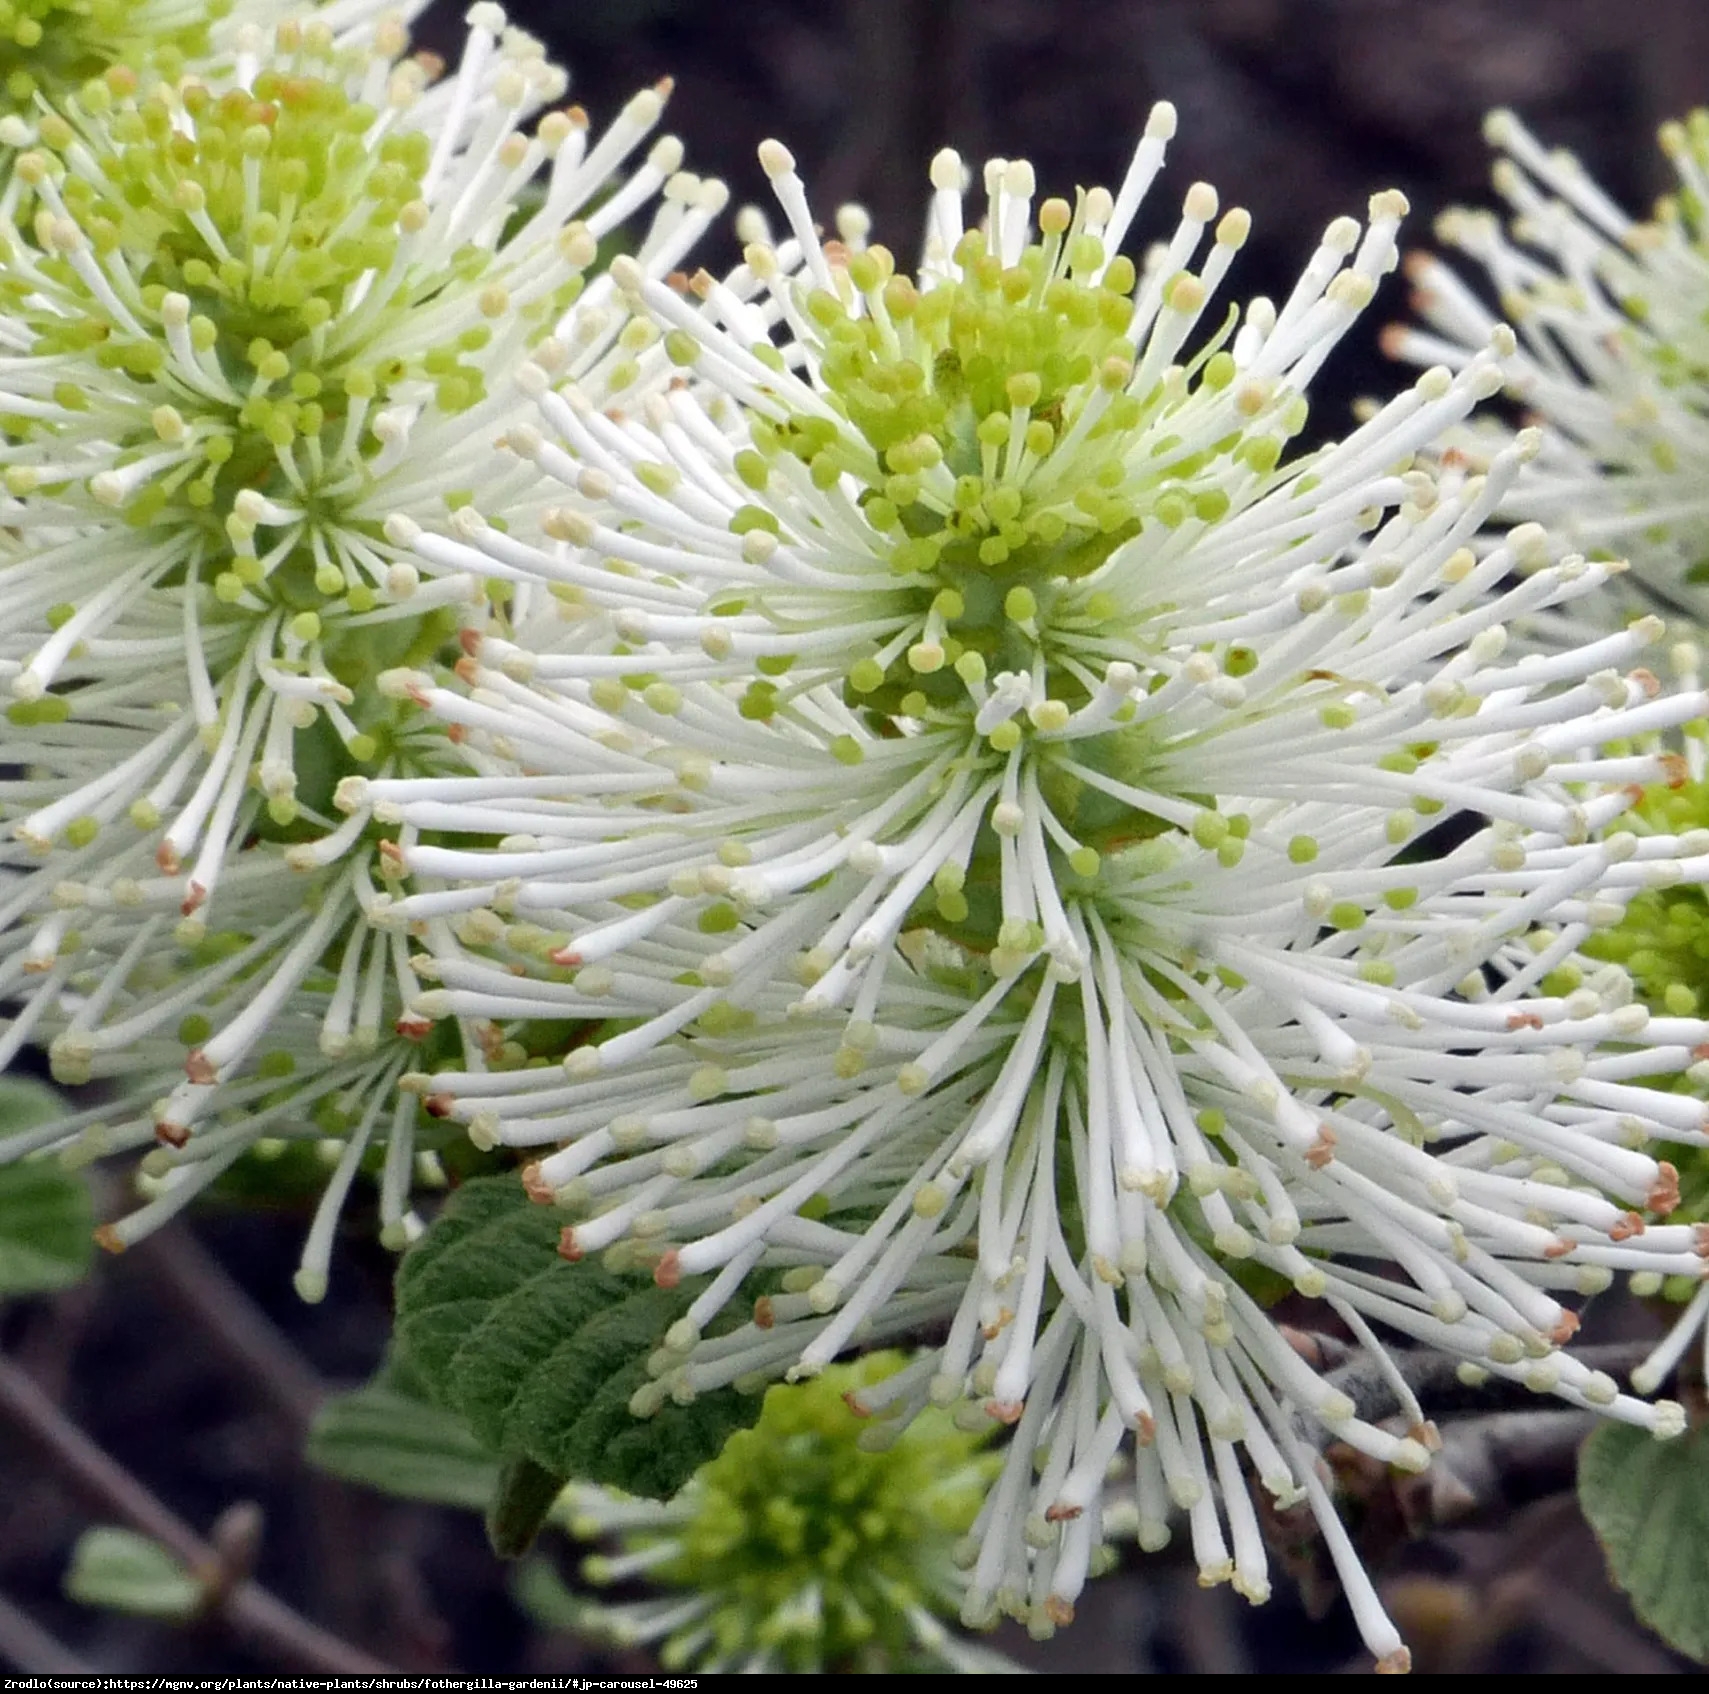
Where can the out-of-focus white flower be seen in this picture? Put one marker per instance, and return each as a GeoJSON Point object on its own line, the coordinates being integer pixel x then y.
{"type": "Point", "coordinates": [293, 1021]}
{"type": "Point", "coordinates": [1613, 352]}
{"type": "Point", "coordinates": [988, 787]}
{"type": "Point", "coordinates": [50, 48]}
{"type": "Point", "coordinates": [1614, 362]}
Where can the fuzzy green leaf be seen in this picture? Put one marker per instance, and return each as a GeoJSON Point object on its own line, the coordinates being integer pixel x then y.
{"type": "Point", "coordinates": [541, 1355]}
{"type": "Point", "coordinates": [1648, 1502]}
{"type": "Point", "coordinates": [500, 1355]}
{"type": "Point", "coordinates": [121, 1571]}
{"type": "Point", "coordinates": [46, 1218]}
{"type": "Point", "coordinates": [386, 1437]}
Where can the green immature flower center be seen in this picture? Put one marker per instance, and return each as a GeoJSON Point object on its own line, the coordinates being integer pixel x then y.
{"type": "Point", "coordinates": [1007, 445]}
{"type": "Point", "coordinates": [1663, 939]}
{"type": "Point", "coordinates": [52, 46]}
{"type": "Point", "coordinates": [988, 377]}
{"type": "Point", "coordinates": [233, 261]}
{"type": "Point", "coordinates": [821, 1548]}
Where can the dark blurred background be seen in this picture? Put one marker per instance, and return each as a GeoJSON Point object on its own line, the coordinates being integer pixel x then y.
{"type": "Point", "coordinates": [191, 1362]}
{"type": "Point", "coordinates": [1296, 109]}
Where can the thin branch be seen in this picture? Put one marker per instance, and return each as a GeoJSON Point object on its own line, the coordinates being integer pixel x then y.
{"type": "Point", "coordinates": [1498, 1449]}
{"type": "Point", "coordinates": [113, 1492]}
{"type": "Point", "coordinates": [263, 1358]}
{"type": "Point", "coordinates": [1206, 1628]}
{"type": "Point", "coordinates": [237, 1328]}
{"type": "Point", "coordinates": [27, 1647]}
{"type": "Point", "coordinates": [49, 1344]}
{"type": "Point", "coordinates": [1490, 1466]}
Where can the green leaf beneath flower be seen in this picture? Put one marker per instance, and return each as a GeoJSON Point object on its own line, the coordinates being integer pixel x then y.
{"type": "Point", "coordinates": [389, 1437]}
{"type": "Point", "coordinates": [1648, 1502]}
{"type": "Point", "coordinates": [541, 1356]}
{"type": "Point", "coordinates": [46, 1217]}
{"type": "Point", "coordinates": [121, 1571]}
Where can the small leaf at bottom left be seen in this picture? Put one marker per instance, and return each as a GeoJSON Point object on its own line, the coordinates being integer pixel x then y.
{"type": "Point", "coordinates": [120, 1571]}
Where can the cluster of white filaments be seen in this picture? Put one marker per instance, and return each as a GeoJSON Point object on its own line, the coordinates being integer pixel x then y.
{"type": "Point", "coordinates": [1613, 353]}
{"type": "Point", "coordinates": [245, 317]}
{"type": "Point", "coordinates": [1613, 357]}
{"type": "Point", "coordinates": [976, 792]}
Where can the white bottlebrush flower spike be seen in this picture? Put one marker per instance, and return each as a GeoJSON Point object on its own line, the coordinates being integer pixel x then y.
{"type": "Point", "coordinates": [1610, 316]}
{"type": "Point", "coordinates": [989, 786]}
{"type": "Point", "coordinates": [246, 316]}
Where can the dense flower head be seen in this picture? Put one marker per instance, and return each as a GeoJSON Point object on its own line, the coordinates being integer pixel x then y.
{"type": "Point", "coordinates": [986, 786]}
{"type": "Point", "coordinates": [247, 314]}
{"type": "Point", "coordinates": [51, 48]}
{"type": "Point", "coordinates": [818, 1540]}
{"type": "Point", "coordinates": [238, 312]}
{"type": "Point", "coordinates": [1612, 356]}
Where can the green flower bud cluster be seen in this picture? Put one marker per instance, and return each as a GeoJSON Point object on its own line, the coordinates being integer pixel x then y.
{"type": "Point", "coordinates": [818, 1540]}
{"type": "Point", "coordinates": [49, 47]}
{"type": "Point", "coordinates": [1006, 448]}
{"type": "Point", "coordinates": [1663, 939]}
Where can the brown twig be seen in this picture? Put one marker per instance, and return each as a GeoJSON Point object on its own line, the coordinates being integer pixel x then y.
{"type": "Point", "coordinates": [250, 1611]}
{"type": "Point", "coordinates": [1206, 1628]}
{"type": "Point", "coordinates": [237, 1328]}
{"type": "Point", "coordinates": [27, 1647]}
{"type": "Point", "coordinates": [1498, 1450]}
{"type": "Point", "coordinates": [48, 1346]}
{"type": "Point", "coordinates": [265, 1361]}
{"type": "Point", "coordinates": [1491, 1465]}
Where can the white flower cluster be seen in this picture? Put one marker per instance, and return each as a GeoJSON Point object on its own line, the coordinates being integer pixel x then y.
{"type": "Point", "coordinates": [978, 794]}
{"type": "Point", "coordinates": [1609, 313]}
{"type": "Point", "coordinates": [247, 315]}
{"type": "Point", "coordinates": [914, 782]}
{"type": "Point", "coordinates": [1612, 359]}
